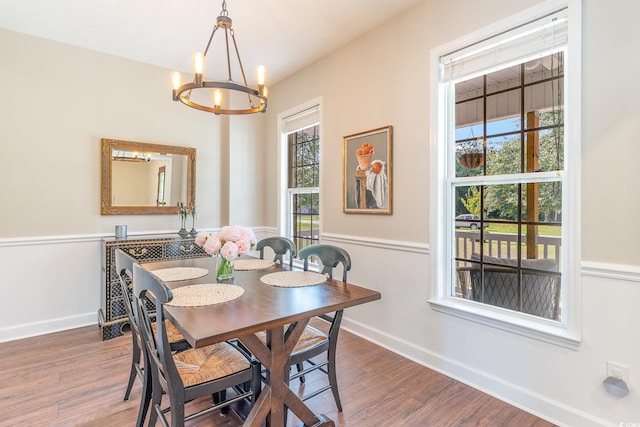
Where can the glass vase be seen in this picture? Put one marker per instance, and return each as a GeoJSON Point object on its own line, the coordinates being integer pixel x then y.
{"type": "Point", "coordinates": [225, 269]}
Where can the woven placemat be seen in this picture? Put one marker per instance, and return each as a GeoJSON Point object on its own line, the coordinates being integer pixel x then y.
{"type": "Point", "coordinates": [252, 264]}
{"type": "Point", "coordinates": [180, 273]}
{"type": "Point", "coordinates": [204, 294]}
{"type": "Point", "coordinates": [293, 279]}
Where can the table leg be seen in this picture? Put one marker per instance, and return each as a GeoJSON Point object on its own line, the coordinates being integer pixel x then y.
{"type": "Point", "coordinates": [276, 397]}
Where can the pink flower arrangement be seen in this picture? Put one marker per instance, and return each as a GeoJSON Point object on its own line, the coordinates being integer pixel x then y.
{"type": "Point", "coordinates": [230, 242]}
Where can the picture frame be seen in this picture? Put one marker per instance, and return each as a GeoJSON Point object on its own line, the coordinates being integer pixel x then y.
{"type": "Point", "coordinates": [367, 172]}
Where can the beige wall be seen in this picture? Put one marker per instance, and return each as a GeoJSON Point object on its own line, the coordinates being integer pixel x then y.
{"type": "Point", "coordinates": [610, 129]}
{"type": "Point", "coordinates": [60, 100]}
{"type": "Point", "coordinates": [383, 79]}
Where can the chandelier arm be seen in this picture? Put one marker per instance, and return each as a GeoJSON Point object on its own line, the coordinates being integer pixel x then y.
{"type": "Point", "coordinates": [226, 40]}
{"type": "Point", "coordinates": [210, 39]}
{"type": "Point", "coordinates": [235, 45]}
{"type": "Point", "coordinates": [244, 77]}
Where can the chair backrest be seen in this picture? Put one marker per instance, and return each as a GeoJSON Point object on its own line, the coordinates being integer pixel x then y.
{"type": "Point", "coordinates": [538, 292]}
{"type": "Point", "coordinates": [280, 246]}
{"type": "Point", "coordinates": [124, 269]}
{"type": "Point", "coordinates": [148, 287]}
{"type": "Point", "coordinates": [330, 256]}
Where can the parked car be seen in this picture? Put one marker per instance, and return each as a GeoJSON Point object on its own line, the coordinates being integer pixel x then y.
{"type": "Point", "coordinates": [470, 221]}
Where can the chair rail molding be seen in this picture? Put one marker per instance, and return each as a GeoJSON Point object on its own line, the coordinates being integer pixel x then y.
{"type": "Point", "coordinates": [395, 245]}
{"type": "Point", "coordinates": [611, 271]}
{"type": "Point", "coordinates": [68, 238]}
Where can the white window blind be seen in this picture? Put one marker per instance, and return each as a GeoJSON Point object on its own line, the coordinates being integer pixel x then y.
{"type": "Point", "coordinates": [527, 42]}
{"type": "Point", "coordinates": [302, 120]}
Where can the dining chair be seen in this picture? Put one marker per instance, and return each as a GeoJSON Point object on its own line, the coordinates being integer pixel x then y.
{"type": "Point", "coordinates": [192, 373]}
{"type": "Point", "coordinates": [314, 342]}
{"type": "Point", "coordinates": [124, 268]}
{"type": "Point", "coordinates": [280, 246]}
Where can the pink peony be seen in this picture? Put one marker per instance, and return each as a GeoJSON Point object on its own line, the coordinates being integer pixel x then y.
{"type": "Point", "coordinates": [229, 250]}
{"type": "Point", "coordinates": [212, 245]}
{"type": "Point", "coordinates": [232, 233]}
{"type": "Point", "coordinates": [243, 246]}
{"type": "Point", "coordinates": [201, 238]}
{"type": "Point", "coordinates": [249, 236]}
{"type": "Point", "coordinates": [230, 241]}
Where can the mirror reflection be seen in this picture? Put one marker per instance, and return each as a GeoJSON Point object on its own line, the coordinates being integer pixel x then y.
{"type": "Point", "coordinates": [141, 178]}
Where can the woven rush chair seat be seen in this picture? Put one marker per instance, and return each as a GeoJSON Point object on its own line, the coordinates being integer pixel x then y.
{"type": "Point", "coordinates": [200, 365]}
{"type": "Point", "coordinates": [311, 337]}
{"type": "Point", "coordinates": [173, 334]}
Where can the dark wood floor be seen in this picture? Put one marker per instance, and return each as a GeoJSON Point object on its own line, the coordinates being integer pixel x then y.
{"type": "Point", "coordinates": [73, 378]}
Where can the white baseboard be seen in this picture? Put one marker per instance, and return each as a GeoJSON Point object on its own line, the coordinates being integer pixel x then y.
{"type": "Point", "coordinates": [54, 325]}
{"type": "Point", "coordinates": [541, 406]}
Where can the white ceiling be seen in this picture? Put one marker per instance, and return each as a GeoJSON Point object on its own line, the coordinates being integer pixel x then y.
{"type": "Point", "coordinates": [282, 35]}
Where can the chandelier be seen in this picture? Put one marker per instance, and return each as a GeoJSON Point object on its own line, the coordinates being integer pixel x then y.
{"type": "Point", "coordinates": [209, 95]}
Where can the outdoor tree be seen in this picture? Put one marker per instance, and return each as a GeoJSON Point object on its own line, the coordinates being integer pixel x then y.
{"type": "Point", "coordinates": [471, 201]}
{"type": "Point", "coordinates": [506, 156]}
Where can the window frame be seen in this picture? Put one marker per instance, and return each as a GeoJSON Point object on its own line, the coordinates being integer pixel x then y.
{"type": "Point", "coordinates": [285, 194]}
{"type": "Point", "coordinates": [567, 331]}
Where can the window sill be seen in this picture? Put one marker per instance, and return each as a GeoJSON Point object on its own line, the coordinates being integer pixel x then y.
{"type": "Point", "coordinates": [522, 324]}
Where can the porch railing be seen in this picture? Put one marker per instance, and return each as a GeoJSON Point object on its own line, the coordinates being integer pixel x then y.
{"type": "Point", "coordinates": [504, 245]}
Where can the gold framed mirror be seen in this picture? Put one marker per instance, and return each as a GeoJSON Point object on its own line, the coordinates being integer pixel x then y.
{"type": "Point", "coordinates": [146, 179]}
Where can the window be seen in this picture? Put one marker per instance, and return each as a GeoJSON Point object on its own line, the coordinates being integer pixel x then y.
{"type": "Point", "coordinates": [502, 127]}
{"type": "Point", "coordinates": [162, 173]}
{"type": "Point", "coordinates": [301, 131]}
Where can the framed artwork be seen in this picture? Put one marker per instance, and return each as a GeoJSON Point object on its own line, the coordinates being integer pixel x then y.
{"type": "Point", "coordinates": [367, 172]}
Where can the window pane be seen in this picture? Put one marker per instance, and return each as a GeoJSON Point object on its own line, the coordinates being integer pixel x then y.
{"type": "Point", "coordinates": [304, 180]}
{"type": "Point", "coordinates": [504, 155]}
{"type": "Point", "coordinates": [511, 256]}
{"type": "Point", "coordinates": [304, 158]}
{"type": "Point", "coordinates": [503, 112]}
{"type": "Point", "coordinates": [491, 106]}
{"type": "Point", "coordinates": [551, 142]}
{"type": "Point", "coordinates": [306, 219]}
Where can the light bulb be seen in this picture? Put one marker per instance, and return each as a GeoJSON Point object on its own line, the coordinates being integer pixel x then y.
{"type": "Point", "coordinates": [261, 75]}
{"type": "Point", "coordinates": [176, 78]}
{"type": "Point", "coordinates": [217, 98]}
{"type": "Point", "coordinates": [198, 63]}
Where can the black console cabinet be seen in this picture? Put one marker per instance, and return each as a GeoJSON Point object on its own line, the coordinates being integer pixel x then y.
{"type": "Point", "coordinates": [112, 316]}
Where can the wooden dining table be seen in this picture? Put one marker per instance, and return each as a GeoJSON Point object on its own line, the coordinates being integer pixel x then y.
{"type": "Point", "coordinates": [283, 312]}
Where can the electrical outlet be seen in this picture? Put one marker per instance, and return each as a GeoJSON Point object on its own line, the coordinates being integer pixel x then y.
{"type": "Point", "coordinates": [616, 370]}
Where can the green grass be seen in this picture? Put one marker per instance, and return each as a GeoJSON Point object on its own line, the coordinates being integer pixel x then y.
{"type": "Point", "coordinates": [545, 230]}
{"type": "Point", "coordinates": [305, 224]}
